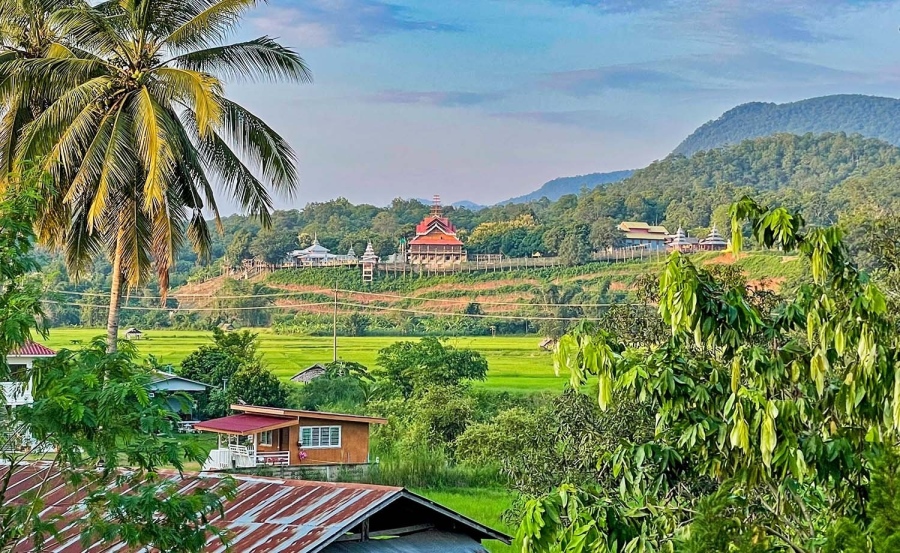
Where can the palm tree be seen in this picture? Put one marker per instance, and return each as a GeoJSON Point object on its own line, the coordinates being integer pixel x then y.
{"type": "Point", "coordinates": [139, 126]}
{"type": "Point", "coordinates": [25, 33]}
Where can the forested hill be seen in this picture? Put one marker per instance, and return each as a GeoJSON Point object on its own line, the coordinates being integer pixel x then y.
{"type": "Point", "coordinates": [870, 116]}
{"type": "Point", "coordinates": [557, 188]}
{"type": "Point", "coordinates": [801, 171]}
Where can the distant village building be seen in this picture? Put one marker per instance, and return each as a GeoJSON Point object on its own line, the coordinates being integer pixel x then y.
{"type": "Point", "coordinates": [318, 255]}
{"type": "Point", "coordinates": [436, 243]}
{"type": "Point", "coordinates": [714, 241]}
{"type": "Point", "coordinates": [309, 374]}
{"type": "Point", "coordinates": [133, 334]}
{"type": "Point", "coordinates": [651, 237]}
{"type": "Point", "coordinates": [681, 242]}
{"type": "Point", "coordinates": [369, 260]}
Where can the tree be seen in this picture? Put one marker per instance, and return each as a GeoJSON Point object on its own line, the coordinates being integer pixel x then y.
{"type": "Point", "coordinates": [238, 249]}
{"type": "Point", "coordinates": [254, 384]}
{"type": "Point", "coordinates": [272, 245]}
{"type": "Point", "coordinates": [137, 121]}
{"type": "Point", "coordinates": [414, 366]}
{"type": "Point", "coordinates": [575, 249]}
{"type": "Point", "coordinates": [88, 408]}
{"type": "Point", "coordinates": [774, 410]}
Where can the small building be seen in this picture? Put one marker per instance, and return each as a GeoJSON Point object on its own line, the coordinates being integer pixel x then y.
{"type": "Point", "coordinates": [548, 344]}
{"type": "Point", "coordinates": [272, 514]}
{"type": "Point", "coordinates": [226, 327]}
{"type": "Point", "coordinates": [272, 436]}
{"type": "Point", "coordinates": [435, 243]}
{"type": "Point", "coordinates": [681, 242]}
{"type": "Point", "coordinates": [713, 241]}
{"type": "Point", "coordinates": [639, 234]}
{"type": "Point", "coordinates": [172, 387]}
{"type": "Point", "coordinates": [17, 391]}
{"type": "Point", "coordinates": [133, 334]}
{"type": "Point", "coordinates": [309, 373]}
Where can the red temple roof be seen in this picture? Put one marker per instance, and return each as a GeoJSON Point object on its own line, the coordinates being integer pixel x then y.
{"type": "Point", "coordinates": [436, 240]}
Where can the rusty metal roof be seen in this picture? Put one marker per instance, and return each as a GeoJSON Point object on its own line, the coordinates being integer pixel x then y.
{"type": "Point", "coordinates": [266, 515]}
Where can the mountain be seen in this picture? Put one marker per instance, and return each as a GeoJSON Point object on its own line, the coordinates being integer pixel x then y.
{"type": "Point", "coordinates": [462, 204]}
{"type": "Point", "coordinates": [558, 188]}
{"type": "Point", "coordinates": [869, 116]}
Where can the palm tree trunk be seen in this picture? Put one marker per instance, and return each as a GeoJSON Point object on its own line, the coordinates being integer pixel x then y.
{"type": "Point", "coordinates": [115, 297]}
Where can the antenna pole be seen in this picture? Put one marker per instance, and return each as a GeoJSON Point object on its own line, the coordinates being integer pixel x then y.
{"type": "Point", "coordinates": [334, 324]}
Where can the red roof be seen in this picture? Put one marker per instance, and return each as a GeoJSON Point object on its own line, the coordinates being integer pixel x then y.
{"type": "Point", "coordinates": [439, 240]}
{"type": "Point", "coordinates": [32, 349]}
{"type": "Point", "coordinates": [245, 424]}
{"type": "Point", "coordinates": [430, 222]}
{"type": "Point", "coordinates": [266, 514]}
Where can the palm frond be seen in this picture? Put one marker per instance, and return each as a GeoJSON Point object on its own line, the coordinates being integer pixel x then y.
{"type": "Point", "coordinates": [237, 180]}
{"type": "Point", "coordinates": [264, 148]}
{"type": "Point", "coordinates": [199, 92]}
{"type": "Point", "coordinates": [53, 77]}
{"type": "Point", "coordinates": [154, 146]}
{"type": "Point", "coordinates": [82, 245]}
{"type": "Point", "coordinates": [135, 230]}
{"type": "Point", "coordinates": [258, 60]}
{"type": "Point", "coordinates": [210, 25]}
{"type": "Point", "coordinates": [118, 172]}
{"type": "Point", "coordinates": [88, 28]}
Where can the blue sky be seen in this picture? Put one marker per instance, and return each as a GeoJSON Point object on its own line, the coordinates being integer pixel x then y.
{"type": "Point", "coordinates": [487, 99]}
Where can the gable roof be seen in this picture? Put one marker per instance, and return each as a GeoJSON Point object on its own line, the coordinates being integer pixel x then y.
{"type": "Point", "coordinates": [244, 424]}
{"type": "Point", "coordinates": [32, 349]}
{"type": "Point", "coordinates": [162, 376]}
{"type": "Point", "coordinates": [309, 373]}
{"type": "Point", "coordinates": [267, 514]}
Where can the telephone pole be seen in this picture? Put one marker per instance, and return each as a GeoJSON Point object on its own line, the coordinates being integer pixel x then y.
{"type": "Point", "coordinates": [334, 324]}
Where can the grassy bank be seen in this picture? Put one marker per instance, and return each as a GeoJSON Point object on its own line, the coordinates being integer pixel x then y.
{"type": "Point", "coordinates": [516, 364]}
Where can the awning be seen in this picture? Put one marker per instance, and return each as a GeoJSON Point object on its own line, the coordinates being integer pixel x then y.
{"type": "Point", "coordinates": [244, 425]}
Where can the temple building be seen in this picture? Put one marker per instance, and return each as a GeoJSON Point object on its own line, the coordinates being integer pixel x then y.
{"type": "Point", "coordinates": [318, 255]}
{"type": "Point", "coordinates": [681, 242]}
{"type": "Point", "coordinates": [714, 241]}
{"type": "Point", "coordinates": [435, 243]}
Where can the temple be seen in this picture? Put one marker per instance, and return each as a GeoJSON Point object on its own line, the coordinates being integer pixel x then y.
{"type": "Point", "coordinates": [436, 243]}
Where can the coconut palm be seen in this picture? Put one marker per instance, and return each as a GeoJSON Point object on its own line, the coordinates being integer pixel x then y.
{"type": "Point", "coordinates": [140, 126]}
{"type": "Point", "coordinates": [25, 33]}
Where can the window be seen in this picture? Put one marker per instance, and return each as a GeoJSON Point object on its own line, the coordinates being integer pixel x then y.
{"type": "Point", "coordinates": [320, 436]}
{"type": "Point", "coordinates": [265, 438]}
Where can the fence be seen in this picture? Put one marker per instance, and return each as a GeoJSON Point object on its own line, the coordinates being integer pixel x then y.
{"type": "Point", "coordinates": [325, 473]}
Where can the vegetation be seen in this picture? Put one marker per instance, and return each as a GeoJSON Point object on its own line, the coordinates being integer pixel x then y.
{"type": "Point", "coordinates": [89, 408]}
{"type": "Point", "coordinates": [869, 116]}
{"type": "Point", "coordinates": [782, 415]}
{"type": "Point", "coordinates": [131, 120]}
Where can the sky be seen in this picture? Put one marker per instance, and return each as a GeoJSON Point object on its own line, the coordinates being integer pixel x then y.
{"type": "Point", "coordinates": [482, 100]}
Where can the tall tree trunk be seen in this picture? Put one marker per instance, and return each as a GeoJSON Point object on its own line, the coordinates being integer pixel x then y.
{"type": "Point", "coordinates": [115, 297]}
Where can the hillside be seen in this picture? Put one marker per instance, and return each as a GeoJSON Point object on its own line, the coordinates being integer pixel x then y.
{"type": "Point", "coordinates": [869, 116]}
{"type": "Point", "coordinates": [557, 188]}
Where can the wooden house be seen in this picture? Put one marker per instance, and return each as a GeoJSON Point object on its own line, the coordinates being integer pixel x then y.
{"type": "Point", "coordinates": [309, 373]}
{"type": "Point", "coordinates": [638, 234]}
{"type": "Point", "coordinates": [272, 436]}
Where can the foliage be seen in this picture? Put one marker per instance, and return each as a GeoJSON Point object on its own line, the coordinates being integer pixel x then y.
{"type": "Point", "coordinates": [869, 116]}
{"type": "Point", "coordinates": [778, 407]}
{"type": "Point", "coordinates": [413, 367]}
{"type": "Point", "coordinates": [93, 408]}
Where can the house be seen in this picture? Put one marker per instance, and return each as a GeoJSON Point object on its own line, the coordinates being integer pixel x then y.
{"type": "Point", "coordinates": [435, 243]}
{"type": "Point", "coordinates": [133, 334]}
{"type": "Point", "coordinates": [309, 373]}
{"type": "Point", "coordinates": [272, 436]}
{"type": "Point", "coordinates": [17, 391]}
{"type": "Point", "coordinates": [548, 344]}
{"type": "Point", "coordinates": [713, 242]}
{"type": "Point", "coordinates": [638, 234]}
{"type": "Point", "coordinates": [681, 242]}
{"type": "Point", "coordinates": [173, 387]}
{"type": "Point", "coordinates": [269, 514]}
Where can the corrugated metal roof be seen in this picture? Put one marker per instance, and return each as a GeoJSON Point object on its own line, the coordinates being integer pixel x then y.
{"type": "Point", "coordinates": [32, 349]}
{"type": "Point", "coordinates": [243, 423]}
{"type": "Point", "coordinates": [266, 515]}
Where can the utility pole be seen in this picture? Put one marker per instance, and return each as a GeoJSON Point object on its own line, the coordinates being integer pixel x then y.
{"type": "Point", "coordinates": [334, 324]}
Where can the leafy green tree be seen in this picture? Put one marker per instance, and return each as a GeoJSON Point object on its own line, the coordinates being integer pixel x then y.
{"type": "Point", "coordinates": [254, 384]}
{"type": "Point", "coordinates": [239, 248]}
{"type": "Point", "coordinates": [88, 408]}
{"type": "Point", "coordinates": [414, 366]}
{"type": "Point", "coordinates": [575, 248]}
{"type": "Point", "coordinates": [776, 408]}
{"type": "Point", "coordinates": [272, 245]}
{"type": "Point", "coordinates": [136, 126]}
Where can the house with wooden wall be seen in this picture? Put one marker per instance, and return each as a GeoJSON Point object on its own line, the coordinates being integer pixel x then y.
{"type": "Point", "coordinates": [258, 436]}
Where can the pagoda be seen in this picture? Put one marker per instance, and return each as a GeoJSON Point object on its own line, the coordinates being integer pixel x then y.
{"type": "Point", "coordinates": [436, 243]}
{"type": "Point", "coordinates": [714, 241]}
{"type": "Point", "coordinates": [681, 242]}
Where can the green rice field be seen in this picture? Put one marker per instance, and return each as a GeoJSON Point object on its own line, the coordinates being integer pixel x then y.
{"type": "Point", "coordinates": [515, 363]}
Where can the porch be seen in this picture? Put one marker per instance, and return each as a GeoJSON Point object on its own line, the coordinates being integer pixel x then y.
{"type": "Point", "coordinates": [247, 441]}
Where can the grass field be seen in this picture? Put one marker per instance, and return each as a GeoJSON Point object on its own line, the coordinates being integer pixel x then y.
{"type": "Point", "coordinates": [482, 505]}
{"type": "Point", "coordinates": [515, 363]}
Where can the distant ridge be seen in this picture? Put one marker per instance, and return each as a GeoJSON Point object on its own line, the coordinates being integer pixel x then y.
{"type": "Point", "coordinates": [557, 188]}
{"type": "Point", "coordinates": [869, 116]}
